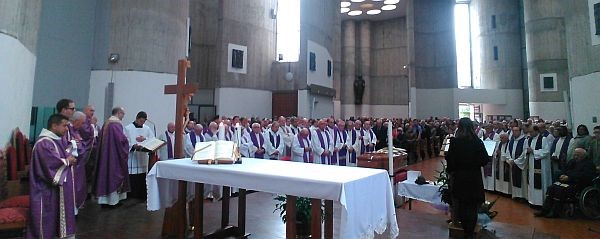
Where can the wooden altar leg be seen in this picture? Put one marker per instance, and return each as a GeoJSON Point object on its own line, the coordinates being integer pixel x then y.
{"type": "Point", "coordinates": [315, 220]}
{"type": "Point", "coordinates": [328, 219]}
{"type": "Point", "coordinates": [225, 207]}
{"type": "Point", "coordinates": [290, 225]}
{"type": "Point", "coordinates": [198, 215]}
{"type": "Point", "coordinates": [242, 212]}
{"type": "Point", "coordinates": [174, 220]}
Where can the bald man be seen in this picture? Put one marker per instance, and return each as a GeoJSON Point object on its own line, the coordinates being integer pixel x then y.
{"type": "Point", "coordinates": [166, 153]}
{"type": "Point", "coordinates": [301, 150]}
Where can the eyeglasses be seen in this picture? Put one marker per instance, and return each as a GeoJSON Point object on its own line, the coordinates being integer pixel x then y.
{"type": "Point", "coordinates": [71, 108]}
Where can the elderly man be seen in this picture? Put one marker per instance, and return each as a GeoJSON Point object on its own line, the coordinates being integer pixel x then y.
{"type": "Point", "coordinates": [340, 139]}
{"type": "Point", "coordinates": [301, 150]}
{"type": "Point", "coordinates": [211, 133]}
{"type": "Point", "coordinates": [517, 158]}
{"type": "Point", "coordinates": [355, 143]}
{"type": "Point", "coordinates": [255, 142]}
{"type": "Point", "coordinates": [167, 152]}
{"type": "Point", "coordinates": [539, 173]}
{"type": "Point", "coordinates": [83, 147]}
{"type": "Point", "coordinates": [275, 143]}
{"type": "Point", "coordinates": [322, 143]}
{"type": "Point", "coordinates": [577, 174]}
{"type": "Point", "coordinates": [501, 167]}
{"type": "Point", "coordinates": [192, 138]}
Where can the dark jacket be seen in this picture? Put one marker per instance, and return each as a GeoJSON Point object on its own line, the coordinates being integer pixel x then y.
{"type": "Point", "coordinates": [381, 134]}
{"type": "Point", "coordinates": [580, 173]}
{"type": "Point", "coordinates": [464, 160]}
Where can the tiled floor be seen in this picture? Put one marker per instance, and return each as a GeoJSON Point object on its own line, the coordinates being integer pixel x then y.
{"type": "Point", "coordinates": [515, 219]}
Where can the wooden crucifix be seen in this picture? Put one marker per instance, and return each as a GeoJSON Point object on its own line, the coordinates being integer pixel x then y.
{"type": "Point", "coordinates": [174, 223]}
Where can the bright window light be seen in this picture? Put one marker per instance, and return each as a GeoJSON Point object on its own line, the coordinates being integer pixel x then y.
{"type": "Point", "coordinates": [288, 30]}
{"type": "Point", "coordinates": [463, 45]}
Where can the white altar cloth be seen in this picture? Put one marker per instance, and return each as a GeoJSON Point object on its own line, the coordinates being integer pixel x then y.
{"type": "Point", "coordinates": [365, 195]}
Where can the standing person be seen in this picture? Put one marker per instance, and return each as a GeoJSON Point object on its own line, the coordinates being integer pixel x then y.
{"type": "Point", "coordinates": [322, 144]}
{"type": "Point", "coordinates": [582, 140]}
{"type": "Point", "coordinates": [112, 176]}
{"type": "Point", "coordinates": [275, 142]}
{"type": "Point", "coordinates": [166, 153]}
{"type": "Point", "coordinates": [301, 150]}
{"type": "Point", "coordinates": [517, 158]}
{"type": "Point", "coordinates": [540, 173]}
{"type": "Point", "coordinates": [340, 139]}
{"type": "Point", "coordinates": [255, 142]}
{"type": "Point", "coordinates": [90, 167]}
{"type": "Point", "coordinates": [594, 148]}
{"type": "Point", "coordinates": [52, 201]}
{"type": "Point", "coordinates": [138, 133]}
{"type": "Point", "coordinates": [380, 134]}
{"type": "Point", "coordinates": [465, 158]}
{"type": "Point", "coordinates": [76, 123]}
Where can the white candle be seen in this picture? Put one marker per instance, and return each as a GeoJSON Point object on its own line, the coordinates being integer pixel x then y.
{"type": "Point", "coordinates": [221, 133]}
{"type": "Point", "coordinates": [238, 134]}
{"type": "Point", "coordinates": [390, 149]}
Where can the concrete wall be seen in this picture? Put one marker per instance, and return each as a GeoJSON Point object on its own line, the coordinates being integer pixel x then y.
{"type": "Point", "coordinates": [314, 106]}
{"type": "Point", "coordinates": [243, 102]}
{"type": "Point", "coordinates": [319, 76]}
{"type": "Point", "coordinates": [584, 63]}
{"type": "Point", "coordinates": [19, 24]}
{"type": "Point", "coordinates": [65, 53]}
{"type": "Point", "coordinates": [546, 53]}
{"type": "Point", "coordinates": [432, 29]}
{"type": "Point", "coordinates": [205, 50]}
{"type": "Point", "coordinates": [129, 93]}
{"type": "Point", "coordinates": [506, 72]}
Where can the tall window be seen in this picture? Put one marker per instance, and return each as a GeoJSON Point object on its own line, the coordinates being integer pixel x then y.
{"type": "Point", "coordinates": [463, 44]}
{"type": "Point", "coordinates": [288, 30]}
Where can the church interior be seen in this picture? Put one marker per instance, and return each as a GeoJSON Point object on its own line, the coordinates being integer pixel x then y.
{"type": "Point", "coordinates": [424, 61]}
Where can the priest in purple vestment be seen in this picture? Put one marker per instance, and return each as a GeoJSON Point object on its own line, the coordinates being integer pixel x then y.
{"type": "Point", "coordinates": [52, 204]}
{"type": "Point", "coordinates": [112, 176]}
{"type": "Point", "coordinates": [83, 142]}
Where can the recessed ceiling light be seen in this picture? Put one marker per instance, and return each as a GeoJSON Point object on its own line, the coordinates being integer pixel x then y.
{"type": "Point", "coordinates": [389, 2]}
{"type": "Point", "coordinates": [388, 7]}
{"type": "Point", "coordinates": [354, 13]}
{"type": "Point", "coordinates": [357, 0]}
{"type": "Point", "coordinates": [345, 4]}
{"type": "Point", "coordinates": [373, 12]}
{"type": "Point", "coordinates": [344, 10]}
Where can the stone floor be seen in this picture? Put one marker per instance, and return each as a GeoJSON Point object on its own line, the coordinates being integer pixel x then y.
{"type": "Point", "coordinates": [515, 219]}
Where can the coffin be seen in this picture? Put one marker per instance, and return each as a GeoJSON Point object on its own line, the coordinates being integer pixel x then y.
{"type": "Point", "coordinates": [380, 161]}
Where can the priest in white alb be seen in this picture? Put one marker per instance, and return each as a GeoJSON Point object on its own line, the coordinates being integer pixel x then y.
{"type": "Point", "coordinates": [322, 144]}
{"type": "Point", "coordinates": [517, 158]}
{"type": "Point", "coordinates": [340, 139]}
{"type": "Point", "coordinates": [255, 142]}
{"type": "Point", "coordinates": [166, 152]}
{"type": "Point", "coordinates": [501, 166]}
{"type": "Point", "coordinates": [301, 150]}
{"type": "Point", "coordinates": [275, 142]}
{"type": "Point", "coordinates": [355, 143]}
{"type": "Point", "coordinates": [192, 138]}
{"type": "Point", "coordinates": [137, 133]}
{"type": "Point", "coordinates": [540, 172]}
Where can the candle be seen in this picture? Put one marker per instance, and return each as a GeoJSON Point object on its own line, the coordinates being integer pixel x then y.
{"type": "Point", "coordinates": [221, 133]}
{"type": "Point", "coordinates": [390, 149]}
{"type": "Point", "coordinates": [238, 134]}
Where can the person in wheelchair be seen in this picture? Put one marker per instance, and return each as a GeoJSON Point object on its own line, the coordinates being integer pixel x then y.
{"type": "Point", "coordinates": [576, 176]}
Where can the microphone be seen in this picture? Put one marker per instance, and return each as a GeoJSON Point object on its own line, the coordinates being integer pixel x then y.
{"type": "Point", "coordinates": [153, 126]}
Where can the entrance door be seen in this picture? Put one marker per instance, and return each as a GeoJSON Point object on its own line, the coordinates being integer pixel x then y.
{"type": "Point", "coordinates": [285, 103]}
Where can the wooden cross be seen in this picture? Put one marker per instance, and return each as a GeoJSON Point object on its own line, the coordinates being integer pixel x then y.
{"type": "Point", "coordinates": [174, 223]}
{"type": "Point", "coordinates": [183, 93]}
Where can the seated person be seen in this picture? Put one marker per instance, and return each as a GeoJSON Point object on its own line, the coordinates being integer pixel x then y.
{"type": "Point", "coordinates": [577, 175]}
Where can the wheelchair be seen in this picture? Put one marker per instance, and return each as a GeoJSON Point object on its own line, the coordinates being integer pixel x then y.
{"type": "Point", "coordinates": [589, 200]}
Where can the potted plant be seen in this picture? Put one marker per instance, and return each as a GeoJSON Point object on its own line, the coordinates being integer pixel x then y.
{"type": "Point", "coordinates": [303, 215]}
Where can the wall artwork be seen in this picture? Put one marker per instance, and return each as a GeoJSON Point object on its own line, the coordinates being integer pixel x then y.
{"type": "Point", "coordinates": [313, 62]}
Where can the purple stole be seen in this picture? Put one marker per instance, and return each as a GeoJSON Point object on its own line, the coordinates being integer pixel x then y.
{"type": "Point", "coordinates": [257, 144]}
{"type": "Point", "coordinates": [516, 171]}
{"type": "Point", "coordinates": [370, 148]}
{"type": "Point", "coordinates": [273, 142]}
{"type": "Point", "coordinates": [353, 154]}
{"type": "Point", "coordinates": [537, 164]}
{"type": "Point", "coordinates": [562, 157]}
{"type": "Point", "coordinates": [363, 147]}
{"type": "Point", "coordinates": [193, 138]}
{"type": "Point", "coordinates": [170, 145]}
{"type": "Point", "coordinates": [306, 155]}
{"type": "Point", "coordinates": [324, 158]}
{"type": "Point", "coordinates": [341, 154]}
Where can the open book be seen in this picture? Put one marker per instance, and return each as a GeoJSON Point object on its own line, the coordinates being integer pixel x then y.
{"type": "Point", "coordinates": [216, 152]}
{"type": "Point", "coordinates": [152, 144]}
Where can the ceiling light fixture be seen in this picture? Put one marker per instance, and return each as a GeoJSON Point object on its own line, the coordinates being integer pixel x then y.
{"type": "Point", "coordinates": [344, 10]}
{"type": "Point", "coordinates": [345, 4]}
{"type": "Point", "coordinates": [354, 13]}
{"type": "Point", "coordinates": [357, 0]}
{"type": "Point", "coordinates": [373, 12]}
{"type": "Point", "coordinates": [388, 7]}
{"type": "Point", "coordinates": [390, 2]}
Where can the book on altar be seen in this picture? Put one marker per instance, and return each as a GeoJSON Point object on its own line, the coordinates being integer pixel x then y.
{"type": "Point", "coordinates": [152, 144]}
{"type": "Point", "coordinates": [216, 152]}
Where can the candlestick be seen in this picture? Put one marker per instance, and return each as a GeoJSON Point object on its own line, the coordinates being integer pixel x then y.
{"type": "Point", "coordinates": [221, 133]}
{"type": "Point", "coordinates": [390, 149]}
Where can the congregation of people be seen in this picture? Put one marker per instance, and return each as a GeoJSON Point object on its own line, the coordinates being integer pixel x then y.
{"type": "Point", "coordinates": [75, 158]}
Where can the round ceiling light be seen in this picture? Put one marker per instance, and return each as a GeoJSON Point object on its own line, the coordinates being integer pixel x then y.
{"type": "Point", "coordinates": [388, 7]}
{"type": "Point", "coordinates": [373, 12]}
{"type": "Point", "coordinates": [357, 0]}
{"type": "Point", "coordinates": [344, 10]}
{"type": "Point", "coordinates": [354, 13]}
{"type": "Point", "coordinates": [345, 4]}
{"type": "Point", "coordinates": [390, 2]}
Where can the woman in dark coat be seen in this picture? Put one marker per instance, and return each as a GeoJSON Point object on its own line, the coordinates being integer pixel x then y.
{"type": "Point", "coordinates": [466, 155]}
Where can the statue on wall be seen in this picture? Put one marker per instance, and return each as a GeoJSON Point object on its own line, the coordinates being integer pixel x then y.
{"type": "Point", "coordinates": [359, 90]}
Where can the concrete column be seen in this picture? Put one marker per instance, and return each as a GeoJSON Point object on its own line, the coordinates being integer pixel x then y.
{"type": "Point", "coordinates": [348, 67]}
{"type": "Point", "coordinates": [505, 71]}
{"type": "Point", "coordinates": [364, 65]}
{"type": "Point", "coordinates": [546, 54]}
{"type": "Point", "coordinates": [19, 24]}
{"type": "Point", "coordinates": [150, 36]}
